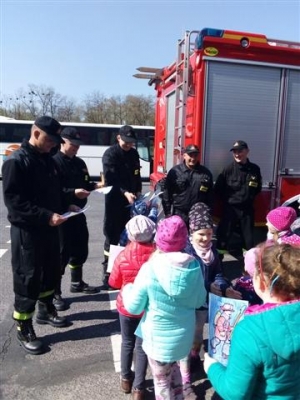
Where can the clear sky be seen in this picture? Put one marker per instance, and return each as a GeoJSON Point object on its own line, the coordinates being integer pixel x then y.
{"type": "Point", "coordinates": [78, 47]}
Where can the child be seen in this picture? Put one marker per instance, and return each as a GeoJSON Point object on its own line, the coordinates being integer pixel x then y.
{"type": "Point", "coordinates": [244, 284]}
{"type": "Point", "coordinates": [141, 232]}
{"type": "Point", "coordinates": [295, 227]}
{"type": "Point", "coordinates": [201, 247]}
{"type": "Point", "coordinates": [279, 222]}
{"type": "Point", "coordinates": [265, 348]}
{"type": "Point", "coordinates": [141, 207]}
{"type": "Point", "coordinates": [168, 288]}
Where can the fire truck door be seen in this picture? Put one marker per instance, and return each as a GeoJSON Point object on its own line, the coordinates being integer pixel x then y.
{"type": "Point", "coordinates": [242, 103]}
{"type": "Point", "coordinates": [289, 168]}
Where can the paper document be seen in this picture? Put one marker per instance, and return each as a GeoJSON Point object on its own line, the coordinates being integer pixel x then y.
{"type": "Point", "coordinates": [73, 213]}
{"type": "Point", "coordinates": [113, 253]}
{"type": "Point", "coordinates": [103, 190]}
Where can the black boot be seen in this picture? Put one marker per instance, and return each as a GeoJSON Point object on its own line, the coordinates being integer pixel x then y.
{"type": "Point", "coordinates": [105, 282]}
{"type": "Point", "coordinates": [106, 274]}
{"type": "Point", "coordinates": [78, 285]}
{"type": "Point", "coordinates": [47, 314]}
{"type": "Point", "coordinates": [27, 338]}
{"type": "Point", "coordinates": [58, 301]}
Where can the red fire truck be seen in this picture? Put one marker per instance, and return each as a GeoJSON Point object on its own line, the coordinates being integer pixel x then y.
{"type": "Point", "coordinates": [226, 86]}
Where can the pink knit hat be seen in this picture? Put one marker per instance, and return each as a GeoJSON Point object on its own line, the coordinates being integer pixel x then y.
{"type": "Point", "coordinates": [281, 218]}
{"type": "Point", "coordinates": [140, 229]}
{"type": "Point", "coordinates": [293, 240]}
{"type": "Point", "coordinates": [172, 234]}
{"type": "Point", "coordinates": [250, 261]}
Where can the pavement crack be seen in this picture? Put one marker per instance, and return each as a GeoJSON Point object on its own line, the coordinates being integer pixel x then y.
{"type": "Point", "coordinates": [6, 344]}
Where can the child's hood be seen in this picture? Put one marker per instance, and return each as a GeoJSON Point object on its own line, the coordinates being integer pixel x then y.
{"type": "Point", "coordinates": [178, 273]}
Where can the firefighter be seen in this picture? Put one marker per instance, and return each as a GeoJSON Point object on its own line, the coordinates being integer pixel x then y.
{"type": "Point", "coordinates": [74, 234]}
{"type": "Point", "coordinates": [34, 198]}
{"type": "Point", "coordinates": [237, 186]}
{"type": "Point", "coordinates": [186, 184]}
{"type": "Point", "coordinates": [121, 169]}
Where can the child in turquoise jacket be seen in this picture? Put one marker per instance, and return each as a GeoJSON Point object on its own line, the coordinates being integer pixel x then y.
{"type": "Point", "coordinates": [169, 287]}
{"type": "Point", "coordinates": [264, 357]}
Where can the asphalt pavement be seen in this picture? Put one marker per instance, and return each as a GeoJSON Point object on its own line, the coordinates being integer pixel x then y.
{"type": "Point", "coordinates": [82, 360]}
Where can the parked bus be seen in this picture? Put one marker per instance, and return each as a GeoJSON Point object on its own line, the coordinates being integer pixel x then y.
{"type": "Point", "coordinates": [96, 137]}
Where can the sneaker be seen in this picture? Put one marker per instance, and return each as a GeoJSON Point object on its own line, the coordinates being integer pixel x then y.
{"type": "Point", "coordinates": [188, 392]}
{"type": "Point", "coordinates": [82, 287]}
{"type": "Point", "coordinates": [59, 303]}
{"type": "Point", "coordinates": [126, 385]}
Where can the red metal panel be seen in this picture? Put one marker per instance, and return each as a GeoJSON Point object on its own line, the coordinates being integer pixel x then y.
{"type": "Point", "coordinates": [289, 187]}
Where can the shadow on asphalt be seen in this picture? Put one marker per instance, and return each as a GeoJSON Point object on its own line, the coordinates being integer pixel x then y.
{"type": "Point", "coordinates": [83, 333]}
{"type": "Point", "coordinates": [94, 315]}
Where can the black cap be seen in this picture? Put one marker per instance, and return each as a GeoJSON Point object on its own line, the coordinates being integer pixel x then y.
{"type": "Point", "coordinates": [239, 145]}
{"type": "Point", "coordinates": [72, 135]}
{"type": "Point", "coordinates": [50, 126]}
{"type": "Point", "coordinates": [191, 148]}
{"type": "Point", "coordinates": [127, 134]}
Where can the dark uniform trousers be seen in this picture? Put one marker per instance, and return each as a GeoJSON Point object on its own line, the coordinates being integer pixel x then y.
{"type": "Point", "coordinates": [35, 265]}
{"type": "Point", "coordinates": [231, 216]}
{"type": "Point", "coordinates": [74, 239]}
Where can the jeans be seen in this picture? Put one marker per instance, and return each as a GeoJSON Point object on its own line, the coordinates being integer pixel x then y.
{"type": "Point", "coordinates": [130, 342]}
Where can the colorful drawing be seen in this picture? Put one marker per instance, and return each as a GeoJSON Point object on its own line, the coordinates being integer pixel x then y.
{"type": "Point", "coordinates": [224, 314]}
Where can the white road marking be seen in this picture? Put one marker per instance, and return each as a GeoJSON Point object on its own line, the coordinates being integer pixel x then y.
{"type": "Point", "coordinates": [2, 252]}
{"type": "Point", "coordinates": [115, 339]}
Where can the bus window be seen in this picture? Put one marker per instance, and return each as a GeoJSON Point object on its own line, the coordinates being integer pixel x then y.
{"type": "Point", "coordinates": [96, 138]}
{"type": "Point", "coordinates": [143, 150]}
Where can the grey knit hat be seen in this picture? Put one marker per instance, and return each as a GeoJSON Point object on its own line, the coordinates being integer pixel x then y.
{"type": "Point", "coordinates": [200, 217]}
{"type": "Point", "coordinates": [140, 229]}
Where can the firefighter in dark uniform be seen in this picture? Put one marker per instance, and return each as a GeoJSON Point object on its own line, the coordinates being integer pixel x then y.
{"type": "Point", "coordinates": [34, 198]}
{"type": "Point", "coordinates": [237, 187]}
{"type": "Point", "coordinates": [74, 234]}
{"type": "Point", "coordinates": [121, 169]}
{"type": "Point", "coordinates": [186, 184]}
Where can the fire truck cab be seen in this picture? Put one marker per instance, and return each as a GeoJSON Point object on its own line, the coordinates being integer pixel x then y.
{"type": "Point", "coordinates": [226, 86]}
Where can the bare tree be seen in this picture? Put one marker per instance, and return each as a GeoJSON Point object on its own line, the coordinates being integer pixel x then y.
{"type": "Point", "coordinates": [96, 108]}
{"type": "Point", "coordinates": [139, 110]}
{"type": "Point", "coordinates": [116, 110]}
